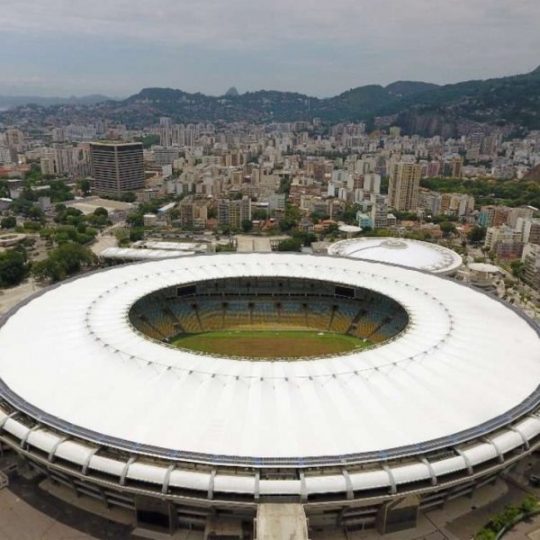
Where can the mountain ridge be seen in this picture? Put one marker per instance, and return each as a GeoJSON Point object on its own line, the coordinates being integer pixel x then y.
{"type": "Point", "coordinates": [511, 103]}
{"type": "Point", "coordinates": [21, 101]}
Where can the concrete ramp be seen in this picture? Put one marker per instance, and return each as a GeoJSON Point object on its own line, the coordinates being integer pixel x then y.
{"type": "Point", "coordinates": [281, 522]}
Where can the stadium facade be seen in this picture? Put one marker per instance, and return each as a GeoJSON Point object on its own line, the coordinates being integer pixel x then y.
{"type": "Point", "coordinates": [443, 402]}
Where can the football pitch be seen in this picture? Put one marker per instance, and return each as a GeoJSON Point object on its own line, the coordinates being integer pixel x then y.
{"type": "Point", "coordinates": [269, 343]}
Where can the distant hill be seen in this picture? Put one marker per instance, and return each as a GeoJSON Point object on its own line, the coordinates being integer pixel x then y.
{"type": "Point", "coordinates": [511, 103]}
{"type": "Point", "coordinates": [417, 107]}
{"type": "Point", "coordinates": [18, 101]}
{"type": "Point", "coordinates": [232, 92]}
{"type": "Point", "coordinates": [409, 88]}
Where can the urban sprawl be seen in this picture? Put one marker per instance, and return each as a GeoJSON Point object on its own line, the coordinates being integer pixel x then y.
{"type": "Point", "coordinates": [76, 196]}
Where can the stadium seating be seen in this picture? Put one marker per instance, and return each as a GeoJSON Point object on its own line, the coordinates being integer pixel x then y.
{"type": "Point", "coordinates": [268, 304]}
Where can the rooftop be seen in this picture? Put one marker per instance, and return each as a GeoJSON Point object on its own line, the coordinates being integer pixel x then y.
{"type": "Point", "coordinates": [404, 252]}
{"type": "Point", "coordinates": [420, 387]}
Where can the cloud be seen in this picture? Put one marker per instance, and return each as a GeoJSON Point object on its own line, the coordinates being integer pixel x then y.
{"type": "Point", "coordinates": [251, 22]}
{"type": "Point", "coordinates": [269, 43]}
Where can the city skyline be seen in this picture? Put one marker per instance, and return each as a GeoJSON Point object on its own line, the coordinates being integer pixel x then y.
{"type": "Point", "coordinates": [61, 48]}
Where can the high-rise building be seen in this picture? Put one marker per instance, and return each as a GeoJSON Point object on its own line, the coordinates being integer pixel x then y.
{"type": "Point", "coordinates": [117, 167]}
{"type": "Point", "coordinates": [453, 167]}
{"type": "Point", "coordinates": [165, 155]}
{"type": "Point", "coordinates": [531, 260]}
{"type": "Point", "coordinates": [504, 241]}
{"type": "Point", "coordinates": [431, 202]}
{"type": "Point", "coordinates": [530, 229]}
{"type": "Point", "coordinates": [379, 213]}
{"type": "Point", "coordinates": [493, 216]}
{"type": "Point", "coordinates": [193, 213]}
{"type": "Point", "coordinates": [404, 186]}
{"type": "Point", "coordinates": [525, 212]}
{"type": "Point", "coordinates": [372, 183]}
{"type": "Point", "coordinates": [15, 139]}
{"type": "Point", "coordinates": [233, 213]}
{"type": "Point", "coordinates": [47, 162]}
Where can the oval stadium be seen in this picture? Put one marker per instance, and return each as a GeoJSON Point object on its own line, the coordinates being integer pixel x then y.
{"type": "Point", "coordinates": [403, 251]}
{"type": "Point", "coordinates": [198, 389]}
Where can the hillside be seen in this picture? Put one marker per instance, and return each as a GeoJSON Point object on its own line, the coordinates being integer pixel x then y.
{"type": "Point", "coordinates": [533, 175]}
{"type": "Point", "coordinates": [18, 101]}
{"type": "Point", "coordinates": [423, 108]}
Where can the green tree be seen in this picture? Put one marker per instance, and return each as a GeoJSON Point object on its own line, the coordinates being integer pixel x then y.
{"type": "Point", "coordinates": [35, 213]}
{"type": "Point", "coordinates": [65, 260]}
{"type": "Point", "coordinates": [291, 219]}
{"type": "Point", "coordinates": [136, 234]}
{"type": "Point", "coordinates": [285, 185]}
{"type": "Point", "coordinates": [8, 222]}
{"type": "Point", "coordinates": [447, 228]}
{"type": "Point", "coordinates": [477, 234]}
{"type": "Point", "coordinates": [290, 244]}
{"type": "Point", "coordinates": [406, 216]}
{"type": "Point", "coordinates": [305, 238]}
{"type": "Point", "coordinates": [148, 140]}
{"type": "Point", "coordinates": [136, 219]}
{"type": "Point", "coordinates": [13, 268]}
{"type": "Point", "coordinates": [259, 214]}
{"type": "Point", "coordinates": [84, 186]}
{"type": "Point", "coordinates": [59, 191]}
{"type": "Point", "coordinates": [32, 225]}
{"type": "Point", "coordinates": [518, 268]}
{"type": "Point", "coordinates": [128, 197]}
{"type": "Point", "coordinates": [529, 504]}
{"type": "Point", "coordinates": [33, 176]}
{"type": "Point", "coordinates": [247, 225]}
{"type": "Point", "coordinates": [349, 215]}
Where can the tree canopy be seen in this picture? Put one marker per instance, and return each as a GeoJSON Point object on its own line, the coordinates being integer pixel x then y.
{"type": "Point", "coordinates": [67, 259]}
{"type": "Point", "coordinates": [13, 268]}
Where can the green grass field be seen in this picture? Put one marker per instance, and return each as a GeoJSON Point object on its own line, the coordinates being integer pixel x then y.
{"type": "Point", "coordinates": [269, 343]}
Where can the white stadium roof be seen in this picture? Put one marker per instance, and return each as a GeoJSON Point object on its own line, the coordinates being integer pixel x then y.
{"type": "Point", "coordinates": [485, 268]}
{"type": "Point", "coordinates": [402, 251]}
{"type": "Point", "coordinates": [134, 254]}
{"type": "Point", "coordinates": [88, 370]}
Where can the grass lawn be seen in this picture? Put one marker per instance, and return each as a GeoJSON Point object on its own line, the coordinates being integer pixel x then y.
{"type": "Point", "coordinates": [269, 343]}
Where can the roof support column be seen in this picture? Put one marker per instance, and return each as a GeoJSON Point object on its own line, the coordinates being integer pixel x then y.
{"type": "Point", "coordinates": [257, 488]}
{"type": "Point", "coordinates": [466, 460]}
{"type": "Point", "coordinates": [4, 420]}
{"type": "Point", "coordinates": [434, 480]}
{"type": "Point", "coordinates": [303, 489]}
{"type": "Point", "coordinates": [88, 459]}
{"type": "Point", "coordinates": [50, 457]}
{"type": "Point", "coordinates": [25, 438]}
{"type": "Point", "coordinates": [391, 479]}
{"type": "Point", "coordinates": [522, 435]}
{"type": "Point", "coordinates": [211, 482]}
{"type": "Point", "coordinates": [348, 484]}
{"type": "Point", "coordinates": [500, 455]}
{"type": "Point", "coordinates": [125, 470]}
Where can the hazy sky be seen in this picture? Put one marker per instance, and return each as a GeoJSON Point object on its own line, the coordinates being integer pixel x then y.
{"type": "Point", "coordinates": [117, 47]}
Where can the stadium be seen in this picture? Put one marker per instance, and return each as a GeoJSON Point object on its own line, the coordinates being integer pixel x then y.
{"type": "Point", "coordinates": [402, 251]}
{"type": "Point", "coordinates": [192, 391]}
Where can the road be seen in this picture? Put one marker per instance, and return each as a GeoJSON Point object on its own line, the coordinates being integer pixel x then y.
{"type": "Point", "coordinates": [106, 239]}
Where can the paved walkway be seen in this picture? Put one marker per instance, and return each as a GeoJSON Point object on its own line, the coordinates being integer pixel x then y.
{"type": "Point", "coordinates": [27, 513]}
{"type": "Point", "coordinates": [20, 521]}
{"type": "Point", "coordinates": [526, 530]}
{"type": "Point", "coordinates": [12, 296]}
